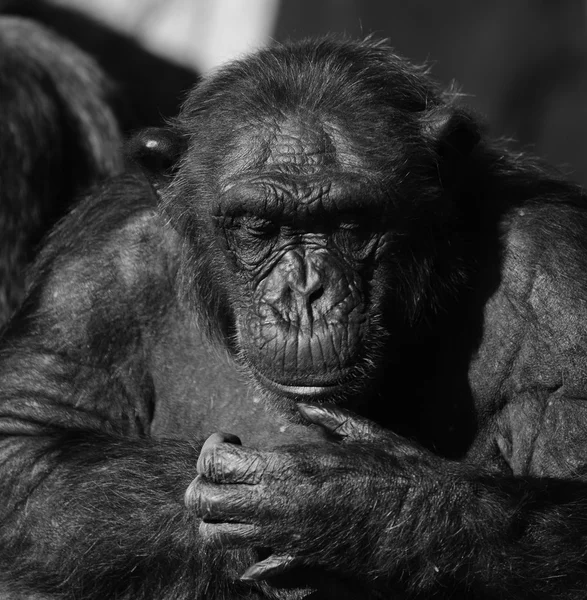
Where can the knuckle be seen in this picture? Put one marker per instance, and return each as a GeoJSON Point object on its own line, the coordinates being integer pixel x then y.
{"type": "Point", "coordinates": [201, 498]}
{"type": "Point", "coordinates": [229, 463]}
{"type": "Point", "coordinates": [192, 494]}
{"type": "Point", "coordinates": [204, 465]}
{"type": "Point", "coordinates": [227, 460]}
{"type": "Point", "coordinates": [218, 461]}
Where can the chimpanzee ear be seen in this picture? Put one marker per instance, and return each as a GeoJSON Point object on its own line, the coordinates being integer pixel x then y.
{"type": "Point", "coordinates": [156, 151]}
{"type": "Point", "coordinates": [453, 132]}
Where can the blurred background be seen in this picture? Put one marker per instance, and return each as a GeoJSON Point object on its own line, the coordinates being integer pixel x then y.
{"type": "Point", "coordinates": [521, 63]}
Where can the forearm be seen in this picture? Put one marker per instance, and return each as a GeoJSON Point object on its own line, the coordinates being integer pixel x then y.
{"type": "Point", "coordinates": [490, 537]}
{"type": "Point", "coordinates": [95, 511]}
{"type": "Point", "coordinates": [103, 517]}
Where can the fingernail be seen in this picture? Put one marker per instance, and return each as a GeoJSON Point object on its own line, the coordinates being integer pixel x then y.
{"type": "Point", "coordinates": [309, 410]}
{"type": "Point", "coordinates": [252, 574]}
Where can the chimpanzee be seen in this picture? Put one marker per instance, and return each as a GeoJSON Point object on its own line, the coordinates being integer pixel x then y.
{"type": "Point", "coordinates": [58, 135]}
{"type": "Point", "coordinates": [74, 100]}
{"type": "Point", "coordinates": [383, 310]}
{"type": "Point", "coordinates": [153, 87]}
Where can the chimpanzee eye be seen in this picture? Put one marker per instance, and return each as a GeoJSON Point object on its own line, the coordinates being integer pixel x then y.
{"type": "Point", "coordinates": [261, 228]}
{"type": "Point", "coordinates": [355, 238]}
{"type": "Point", "coordinates": [250, 239]}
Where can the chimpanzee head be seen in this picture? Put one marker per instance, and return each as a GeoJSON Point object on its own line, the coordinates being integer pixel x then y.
{"type": "Point", "coordinates": [311, 199]}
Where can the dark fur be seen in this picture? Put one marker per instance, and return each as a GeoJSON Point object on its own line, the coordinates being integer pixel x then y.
{"type": "Point", "coordinates": [69, 85]}
{"type": "Point", "coordinates": [124, 356]}
{"type": "Point", "coordinates": [152, 87]}
{"type": "Point", "coordinates": [58, 135]}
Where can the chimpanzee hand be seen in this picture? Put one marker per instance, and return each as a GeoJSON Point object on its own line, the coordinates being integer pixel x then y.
{"type": "Point", "coordinates": [322, 505]}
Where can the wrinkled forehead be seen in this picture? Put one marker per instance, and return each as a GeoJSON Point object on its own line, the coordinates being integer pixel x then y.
{"type": "Point", "coordinates": [305, 143]}
{"type": "Point", "coordinates": [295, 144]}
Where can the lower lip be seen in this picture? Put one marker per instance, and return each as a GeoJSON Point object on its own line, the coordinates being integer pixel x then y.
{"type": "Point", "coordinates": [299, 391]}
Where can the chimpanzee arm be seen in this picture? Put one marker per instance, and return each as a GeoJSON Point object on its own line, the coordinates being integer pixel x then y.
{"type": "Point", "coordinates": [90, 506]}
{"type": "Point", "coordinates": [402, 517]}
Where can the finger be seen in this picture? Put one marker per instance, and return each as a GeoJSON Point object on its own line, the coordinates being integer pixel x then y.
{"type": "Point", "coordinates": [271, 567]}
{"type": "Point", "coordinates": [221, 436]}
{"type": "Point", "coordinates": [340, 422]}
{"type": "Point", "coordinates": [229, 463]}
{"type": "Point", "coordinates": [231, 535]}
{"type": "Point", "coordinates": [218, 438]}
{"type": "Point", "coordinates": [226, 503]}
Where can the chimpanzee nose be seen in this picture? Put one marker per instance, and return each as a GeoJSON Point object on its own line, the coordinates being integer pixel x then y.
{"type": "Point", "coordinates": [304, 276]}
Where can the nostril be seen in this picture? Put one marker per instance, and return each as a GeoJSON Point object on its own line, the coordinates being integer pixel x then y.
{"type": "Point", "coordinates": [315, 295]}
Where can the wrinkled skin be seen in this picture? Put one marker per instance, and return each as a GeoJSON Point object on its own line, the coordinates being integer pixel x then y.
{"type": "Point", "coordinates": [256, 503]}
{"type": "Point", "coordinates": [305, 320]}
{"type": "Point", "coordinates": [292, 231]}
{"type": "Point", "coordinates": [383, 310]}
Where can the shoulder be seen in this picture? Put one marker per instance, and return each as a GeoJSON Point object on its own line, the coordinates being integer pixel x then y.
{"type": "Point", "coordinates": [534, 331]}
{"type": "Point", "coordinates": [538, 315]}
{"type": "Point", "coordinates": [113, 220]}
{"type": "Point", "coordinates": [112, 257]}
{"type": "Point", "coordinates": [545, 246]}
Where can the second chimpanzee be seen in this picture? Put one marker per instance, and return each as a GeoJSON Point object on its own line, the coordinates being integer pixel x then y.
{"type": "Point", "coordinates": [321, 231]}
{"type": "Point", "coordinates": [59, 134]}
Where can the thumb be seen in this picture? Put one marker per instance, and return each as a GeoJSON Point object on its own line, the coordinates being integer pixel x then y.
{"type": "Point", "coordinates": [340, 422]}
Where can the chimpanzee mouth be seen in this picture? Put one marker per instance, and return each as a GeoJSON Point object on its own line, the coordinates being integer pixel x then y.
{"type": "Point", "coordinates": [298, 392]}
